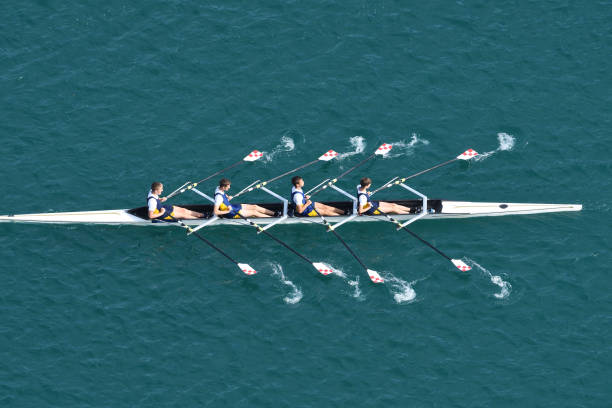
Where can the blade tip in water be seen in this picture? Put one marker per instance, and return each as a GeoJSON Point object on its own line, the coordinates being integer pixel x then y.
{"type": "Point", "coordinates": [383, 149]}
{"type": "Point", "coordinates": [329, 155]}
{"type": "Point", "coordinates": [323, 268]}
{"type": "Point", "coordinates": [374, 276]}
{"type": "Point", "coordinates": [462, 266]}
{"type": "Point", "coordinates": [254, 155]}
{"type": "Point", "coordinates": [246, 268]}
{"type": "Point", "coordinates": [468, 154]}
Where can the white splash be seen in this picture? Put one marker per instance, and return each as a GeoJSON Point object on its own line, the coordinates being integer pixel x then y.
{"type": "Point", "coordinates": [286, 145]}
{"type": "Point", "coordinates": [404, 148]}
{"type": "Point", "coordinates": [358, 143]}
{"type": "Point", "coordinates": [353, 283]}
{"type": "Point", "coordinates": [506, 142]}
{"type": "Point", "coordinates": [402, 291]}
{"type": "Point", "coordinates": [296, 294]}
{"type": "Point", "coordinates": [506, 287]}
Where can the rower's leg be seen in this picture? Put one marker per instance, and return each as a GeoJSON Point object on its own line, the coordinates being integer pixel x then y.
{"type": "Point", "coordinates": [183, 213]}
{"type": "Point", "coordinates": [391, 208]}
{"type": "Point", "coordinates": [258, 209]}
{"type": "Point", "coordinates": [249, 212]}
{"type": "Point", "coordinates": [327, 210]}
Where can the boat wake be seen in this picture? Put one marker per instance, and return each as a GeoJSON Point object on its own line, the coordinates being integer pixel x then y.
{"type": "Point", "coordinates": [286, 145]}
{"type": "Point", "coordinates": [506, 142]}
{"type": "Point", "coordinates": [404, 148]}
{"type": "Point", "coordinates": [402, 290]}
{"type": "Point", "coordinates": [506, 287]}
{"type": "Point", "coordinates": [354, 284]}
{"type": "Point", "coordinates": [296, 294]}
{"type": "Point", "coordinates": [358, 143]}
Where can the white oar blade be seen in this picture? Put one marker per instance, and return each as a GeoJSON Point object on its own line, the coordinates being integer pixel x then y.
{"type": "Point", "coordinates": [328, 155]}
{"type": "Point", "coordinates": [322, 268]}
{"type": "Point", "coordinates": [468, 154]}
{"type": "Point", "coordinates": [462, 266]}
{"type": "Point", "coordinates": [246, 268]}
{"type": "Point", "coordinates": [254, 155]}
{"type": "Point", "coordinates": [383, 149]}
{"type": "Point", "coordinates": [375, 277]}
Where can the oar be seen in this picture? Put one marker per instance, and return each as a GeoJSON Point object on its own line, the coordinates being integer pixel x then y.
{"type": "Point", "coordinates": [254, 155]}
{"type": "Point", "coordinates": [467, 155]}
{"type": "Point", "coordinates": [457, 262]}
{"type": "Point", "coordinates": [246, 268]}
{"type": "Point", "coordinates": [324, 269]}
{"type": "Point", "coordinates": [374, 276]}
{"type": "Point", "coordinates": [381, 151]}
{"type": "Point", "coordinates": [325, 157]}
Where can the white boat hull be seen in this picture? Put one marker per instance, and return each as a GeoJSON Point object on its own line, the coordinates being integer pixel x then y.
{"type": "Point", "coordinates": [450, 209]}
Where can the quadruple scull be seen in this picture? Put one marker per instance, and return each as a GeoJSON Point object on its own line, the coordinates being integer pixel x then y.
{"type": "Point", "coordinates": [420, 209]}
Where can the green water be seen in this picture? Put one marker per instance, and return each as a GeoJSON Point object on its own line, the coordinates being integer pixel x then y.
{"type": "Point", "coordinates": [100, 99]}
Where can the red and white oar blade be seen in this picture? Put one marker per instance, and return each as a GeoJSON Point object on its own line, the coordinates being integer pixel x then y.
{"type": "Point", "coordinates": [246, 268]}
{"type": "Point", "coordinates": [383, 149]}
{"type": "Point", "coordinates": [468, 154]}
{"type": "Point", "coordinates": [462, 266]}
{"type": "Point", "coordinates": [328, 155]}
{"type": "Point", "coordinates": [374, 276]}
{"type": "Point", "coordinates": [254, 155]}
{"type": "Point", "coordinates": [323, 268]}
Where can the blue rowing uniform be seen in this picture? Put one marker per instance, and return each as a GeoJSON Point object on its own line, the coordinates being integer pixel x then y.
{"type": "Point", "coordinates": [158, 208]}
{"type": "Point", "coordinates": [308, 211]}
{"type": "Point", "coordinates": [225, 205]}
{"type": "Point", "coordinates": [373, 210]}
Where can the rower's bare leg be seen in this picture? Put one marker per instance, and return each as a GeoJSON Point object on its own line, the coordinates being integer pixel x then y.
{"type": "Point", "coordinates": [258, 209]}
{"type": "Point", "coordinates": [185, 214]}
{"type": "Point", "coordinates": [253, 213]}
{"type": "Point", "coordinates": [391, 208]}
{"type": "Point", "coordinates": [327, 210]}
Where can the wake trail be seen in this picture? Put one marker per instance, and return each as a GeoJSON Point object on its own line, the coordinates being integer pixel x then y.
{"type": "Point", "coordinates": [287, 144]}
{"type": "Point", "coordinates": [296, 294]}
{"type": "Point", "coordinates": [358, 143]}
{"type": "Point", "coordinates": [506, 143]}
{"type": "Point", "coordinates": [506, 287]}
{"type": "Point", "coordinates": [404, 148]}
{"type": "Point", "coordinates": [354, 284]}
{"type": "Point", "coordinates": [402, 290]}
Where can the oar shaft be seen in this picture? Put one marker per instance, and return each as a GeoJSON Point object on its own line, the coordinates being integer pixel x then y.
{"type": "Point", "coordinates": [221, 171]}
{"type": "Point", "coordinates": [341, 240]}
{"type": "Point", "coordinates": [335, 180]}
{"type": "Point", "coordinates": [389, 184]}
{"type": "Point", "coordinates": [429, 169]}
{"type": "Point", "coordinates": [213, 246]}
{"type": "Point", "coordinates": [189, 186]}
{"type": "Point", "coordinates": [260, 229]}
{"type": "Point", "coordinates": [265, 183]}
{"type": "Point", "coordinates": [427, 243]}
{"type": "Point", "coordinates": [396, 222]}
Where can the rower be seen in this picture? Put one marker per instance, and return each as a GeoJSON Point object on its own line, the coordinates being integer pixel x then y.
{"type": "Point", "coordinates": [306, 208]}
{"type": "Point", "coordinates": [369, 207]}
{"type": "Point", "coordinates": [158, 211]}
{"type": "Point", "coordinates": [224, 209]}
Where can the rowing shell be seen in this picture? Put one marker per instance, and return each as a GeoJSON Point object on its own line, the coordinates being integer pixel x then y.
{"type": "Point", "coordinates": [437, 209]}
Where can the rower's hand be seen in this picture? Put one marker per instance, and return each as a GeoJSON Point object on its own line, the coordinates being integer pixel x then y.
{"type": "Point", "coordinates": [307, 197]}
{"type": "Point", "coordinates": [163, 199]}
{"type": "Point", "coordinates": [230, 197]}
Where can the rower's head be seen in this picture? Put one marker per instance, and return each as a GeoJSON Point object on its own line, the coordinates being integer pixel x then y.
{"type": "Point", "coordinates": [157, 187]}
{"type": "Point", "coordinates": [365, 182]}
{"type": "Point", "coordinates": [224, 184]}
{"type": "Point", "coordinates": [297, 181]}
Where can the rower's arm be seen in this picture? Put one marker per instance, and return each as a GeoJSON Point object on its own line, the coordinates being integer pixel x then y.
{"type": "Point", "coordinates": [152, 214]}
{"type": "Point", "coordinates": [218, 212]}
